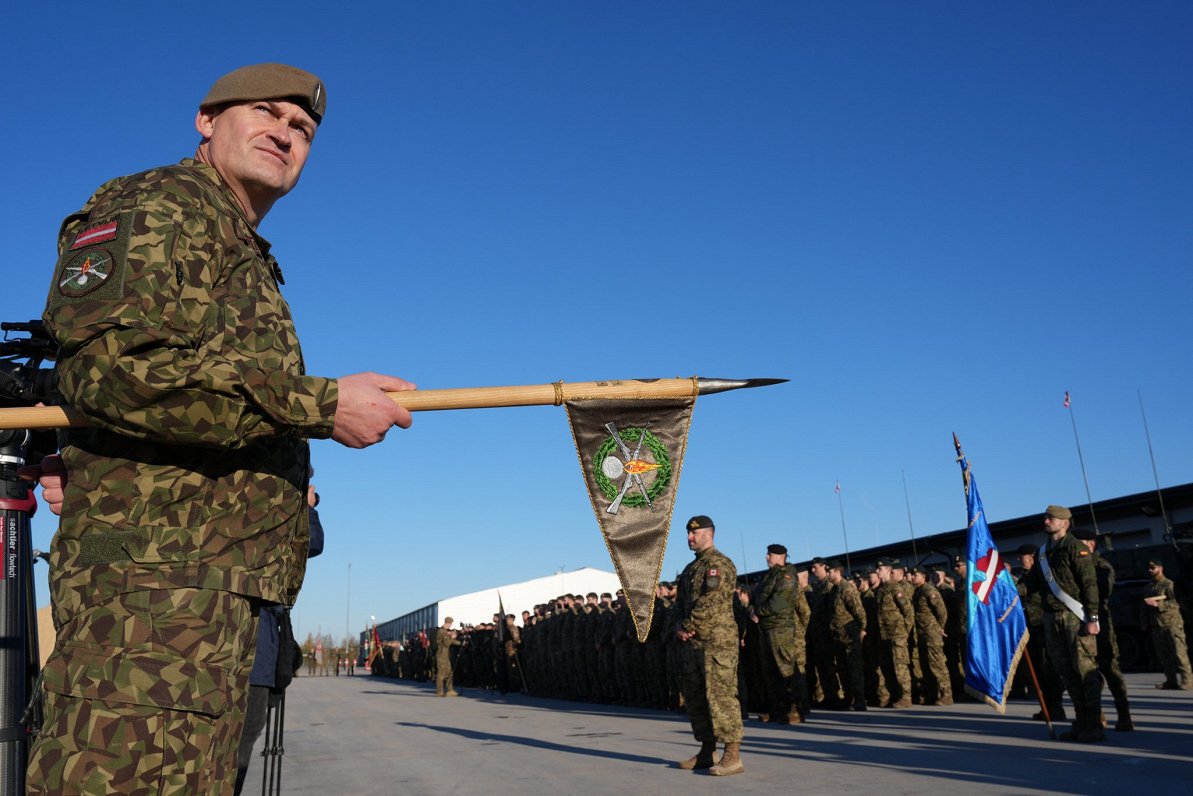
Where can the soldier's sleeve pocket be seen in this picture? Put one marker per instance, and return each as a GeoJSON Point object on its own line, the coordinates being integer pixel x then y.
{"type": "Point", "coordinates": [137, 677]}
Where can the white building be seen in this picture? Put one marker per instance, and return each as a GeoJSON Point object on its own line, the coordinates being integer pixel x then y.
{"type": "Point", "coordinates": [479, 606]}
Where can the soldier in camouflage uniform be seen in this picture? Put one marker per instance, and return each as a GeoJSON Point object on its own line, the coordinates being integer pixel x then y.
{"type": "Point", "coordinates": [1107, 643]}
{"type": "Point", "coordinates": [894, 619]}
{"type": "Point", "coordinates": [1065, 576]}
{"type": "Point", "coordinates": [820, 641]}
{"type": "Point", "coordinates": [445, 639]}
{"type": "Point", "coordinates": [956, 628]}
{"type": "Point", "coordinates": [876, 690]}
{"type": "Point", "coordinates": [1051, 687]}
{"type": "Point", "coordinates": [899, 580]}
{"type": "Point", "coordinates": [774, 606]}
{"type": "Point", "coordinates": [185, 509]}
{"type": "Point", "coordinates": [930, 617]}
{"type": "Point", "coordinates": [709, 634]}
{"type": "Point", "coordinates": [1161, 614]}
{"type": "Point", "coordinates": [847, 620]}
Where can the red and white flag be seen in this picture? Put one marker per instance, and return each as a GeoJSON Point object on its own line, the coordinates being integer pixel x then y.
{"type": "Point", "coordinates": [838, 489]}
{"type": "Point", "coordinates": [1066, 399]}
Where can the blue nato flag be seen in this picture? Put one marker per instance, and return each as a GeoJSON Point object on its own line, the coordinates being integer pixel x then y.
{"type": "Point", "coordinates": [997, 626]}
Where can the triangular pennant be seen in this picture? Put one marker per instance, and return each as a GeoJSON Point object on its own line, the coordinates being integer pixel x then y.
{"type": "Point", "coordinates": [631, 453]}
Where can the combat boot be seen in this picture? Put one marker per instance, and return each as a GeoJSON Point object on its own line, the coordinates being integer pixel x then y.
{"type": "Point", "coordinates": [1124, 723]}
{"type": "Point", "coordinates": [902, 703]}
{"type": "Point", "coordinates": [1092, 734]}
{"type": "Point", "coordinates": [730, 762]}
{"type": "Point", "coordinates": [795, 717]}
{"type": "Point", "coordinates": [702, 759]}
{"type": "Point", "coordinates": [453, 693]}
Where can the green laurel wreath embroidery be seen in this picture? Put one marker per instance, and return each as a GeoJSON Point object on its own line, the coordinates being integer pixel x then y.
{"type": "Point", "coordinates": [662, 477]}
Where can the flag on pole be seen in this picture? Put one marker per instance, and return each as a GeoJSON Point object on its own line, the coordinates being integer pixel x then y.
{"type": "Point", "coordinates": [631, 452]}
{"type": "Point", "coordinates": [997, 626]}
{"type": "Point", "coordinates": [838, 489]}
{"type": "Point", "coordinates": [1066, 399]}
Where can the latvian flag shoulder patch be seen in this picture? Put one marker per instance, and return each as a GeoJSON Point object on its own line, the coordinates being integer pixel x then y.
{"type": "Point", "coordinates": [100, 233]}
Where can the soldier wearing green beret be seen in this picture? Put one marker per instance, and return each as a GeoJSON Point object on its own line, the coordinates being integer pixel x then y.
{"type": "Point", "coordinates": [185, 506]}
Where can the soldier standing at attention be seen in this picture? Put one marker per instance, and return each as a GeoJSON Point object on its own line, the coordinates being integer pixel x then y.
{"type": "Point", "coordinates": [1065, 575]}
{"type": "Point", "coordinates": [1162, 616]}
{"type": "Point", "coordinates": [930, 617]}
{"type": "Point", "coordinates": [706, 628]}
{"type": "Point", "coordinates": [185, 508]}
{"type": "Point", "coordinates": [774, 607]}
{"type": "Point", "coordinates": [894, 620]}
{"type": "Point", "coordinates": [1033, 607]}
{"type": "Point", "coordinates": [847, 620]}
{"type": "Point", "coordinates": [445, 639]}
{"type": "Point", "coordinates": [1107, 644]}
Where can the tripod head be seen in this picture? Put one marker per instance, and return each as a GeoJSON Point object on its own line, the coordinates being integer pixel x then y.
{"type": "Point", "coordinates": [24, 382]}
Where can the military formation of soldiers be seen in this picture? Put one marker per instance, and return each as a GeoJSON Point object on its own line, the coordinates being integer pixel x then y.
{"type": "Point", "coordinates": [890, 636]}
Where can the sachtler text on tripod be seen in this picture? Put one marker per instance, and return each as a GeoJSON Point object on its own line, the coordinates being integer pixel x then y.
{"type": "Point", "coordinates": [23, 382]}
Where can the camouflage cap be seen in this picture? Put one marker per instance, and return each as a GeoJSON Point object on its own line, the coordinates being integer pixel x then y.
{"type": "Point", "coordinates": [270, 81]}
{"type": "Point", "coordinates": [1058, 513]}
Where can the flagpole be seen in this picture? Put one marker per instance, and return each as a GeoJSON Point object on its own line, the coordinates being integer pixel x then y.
{"type": "Point", "coordinates": [44, 417]}
{"type": "Point", "coordinates": [844, 533]}
{"type": "Point", "coordinates": [1155, 473]}
{"type": "Point", "coordinates": [907, 500]}
{"type": "Point", "coordinates": [1081, 459]}
{"type": "Point", "coordinates": [743, 552]}
{"type": "Point", "coordinates": [1035, 681]}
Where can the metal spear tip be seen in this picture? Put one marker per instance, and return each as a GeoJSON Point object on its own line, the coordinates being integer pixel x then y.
{"type": "Point", "coordinates": [709, 386]}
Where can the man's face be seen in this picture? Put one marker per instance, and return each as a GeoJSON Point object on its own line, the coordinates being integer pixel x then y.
{"type": "Point", "coordinates": [591, 600]}
{"type": "Point", "coordinates": [917, 579]}
{"type": "Point", "coordinates": [258, 148]}
{"type": "Point", "coordinates": [1055, 525]}
{"type": "Point", "coordinates": [883, 573]}
{"type": "Point", "coordinates": [1027, 561]}
{"type": "Point", "coordinates": [775, 559]}
{"type": "Point", "coordinates": [820, 571]}
{"type": "Point", "coordinates": [875, 580]}
{"type": "Point", "coordinates": [834, 576]}
{"type": "Point", "coordinates": [700, 539]}
{"type": "Point", "coordinates": [961, 569]}
{"type": "Point", "coordinates": [1156, 571]}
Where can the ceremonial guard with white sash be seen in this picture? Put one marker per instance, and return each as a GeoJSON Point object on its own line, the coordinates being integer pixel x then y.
{"type": "Point", "coordinates": [1069, 583]}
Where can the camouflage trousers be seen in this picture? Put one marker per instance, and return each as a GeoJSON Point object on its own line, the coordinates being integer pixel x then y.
{"type": "Point", "coordinates": [894, 659]}
{"type": "Point", "coordinates": [443, 676]}
{"type": "Point", "coordinates": [1076, 659]}
{"type": "Point", "coordinates": [710, 693]}
{"type": "Point", "coordinates": [936, 682]}
{"type": "Point", "coordinates": [1169, 640]}
{"type": "Point", "coordinates": [146, 694]}
{"type": "Point", "coordinates": [1108, 665]}
{"type": "Point", "coordinates": [785, 679]}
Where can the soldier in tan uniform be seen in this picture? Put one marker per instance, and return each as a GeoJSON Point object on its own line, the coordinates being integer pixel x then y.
{"type": "Point", "coordinates": [185, 507]}
{"type": "Point", "coordinates": [445, 639]}
{"type": "Point", "coordinates": [930, 616]}
{"type": "Point", "coordinates": [1161, 614]}
{"type": "Point", "coordinates": [706, 627]}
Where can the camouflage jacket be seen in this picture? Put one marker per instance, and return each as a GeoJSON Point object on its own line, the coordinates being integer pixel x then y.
{"type": "Point", "coordinates": [1167, 612]}
{"type": "Point", "coordinates": [178, 347]}
{"type": "Point", "coordinates": [930, 611]}
{"type": "Point", "coordinates": [848, 615]}
{"type": "Point", "coordinates": [894, 609]}
{"type": "Point", "coordinates": [775, 600]}
{"type": "Point", "coordinates": [705, 598]}
{"type": "Point", "coordinates": [1072, 565]}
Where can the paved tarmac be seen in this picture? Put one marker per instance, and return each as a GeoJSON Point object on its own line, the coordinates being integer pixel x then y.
{"type": "Point", "coordinates": [367, 735]}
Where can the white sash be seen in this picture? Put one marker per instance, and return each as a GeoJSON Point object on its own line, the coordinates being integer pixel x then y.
{"type": "Point", "coordinates": [1057, 591]}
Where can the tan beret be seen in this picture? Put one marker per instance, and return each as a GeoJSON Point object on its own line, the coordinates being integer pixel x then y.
{"type": "Point", "coordinates": [270, 81]}
{"type": "Point", "coordinates": [1058, 513]}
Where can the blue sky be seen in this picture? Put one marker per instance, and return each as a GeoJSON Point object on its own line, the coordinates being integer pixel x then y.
{"type": "Point", "coordinates": [931, 217]}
